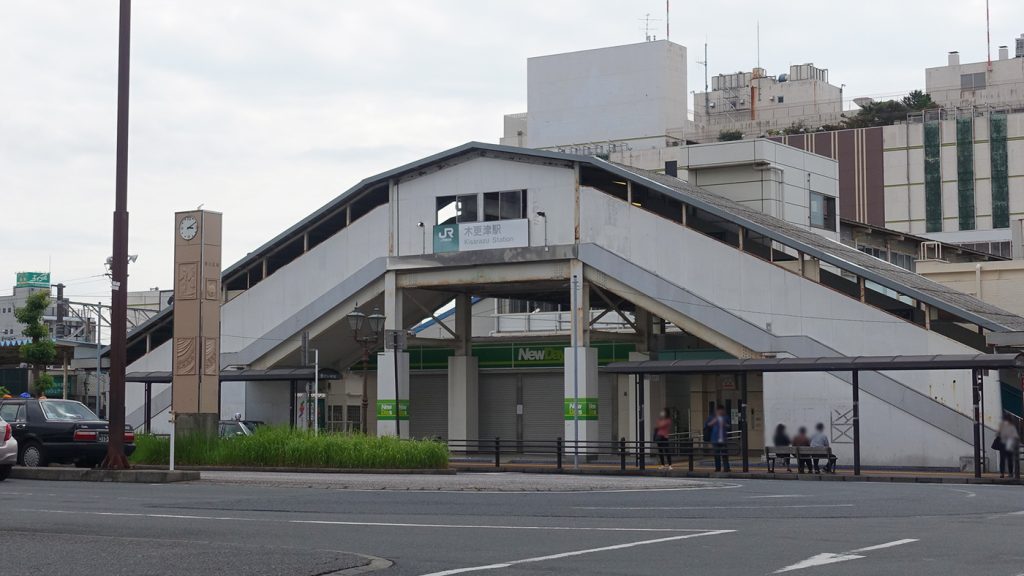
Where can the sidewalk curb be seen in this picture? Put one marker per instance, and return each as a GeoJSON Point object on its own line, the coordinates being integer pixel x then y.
{"type": "Point", "coordinates": [87, 475]}
{"type": "Point", "coordinates": [741, 475]}
{"type": "Point", "coordinates": [292, 470]}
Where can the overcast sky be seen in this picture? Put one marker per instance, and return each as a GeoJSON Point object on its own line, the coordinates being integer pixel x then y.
{"type": "Point", "coordinates": [265, 110]}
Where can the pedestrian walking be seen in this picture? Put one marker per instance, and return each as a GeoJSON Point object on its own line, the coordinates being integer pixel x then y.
{"type": "Point", "coordinates": [801, 439]}
{"type": "Point", "coordinates": [819, 440]}
{"type": "Point", "coordinates": [1009, 440]}
{"type": "Point", "coordinates": [718, 424]}
{"type": "Point", "coordinates": [781, 439]}
{"type": "Point", "coordinates": [662, 429]}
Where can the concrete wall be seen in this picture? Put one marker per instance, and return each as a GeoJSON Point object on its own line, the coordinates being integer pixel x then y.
{"type": "Point", "coordinates": [279, 296]}
{"type": "Point", "coordinates": [998, 283]}
{"type": "Point", "coordinates": [548, 189]}
{"type": "Point", "coordinates": [1004, 84]}
{"type": "Point", "coordinates": [786, 304]}
{"type": "Point", "coordinates": [633, 93]}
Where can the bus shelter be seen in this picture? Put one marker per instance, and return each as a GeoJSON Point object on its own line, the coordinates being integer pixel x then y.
{"type": "Point", "coordinates": [976, 363]}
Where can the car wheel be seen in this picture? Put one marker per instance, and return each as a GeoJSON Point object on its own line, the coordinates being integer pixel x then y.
{"type": "Point", "coordinates": [32, 456]}
{"type": "Point", "coordinates": [5, 471]}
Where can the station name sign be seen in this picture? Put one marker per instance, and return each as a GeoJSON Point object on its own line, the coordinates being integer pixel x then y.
{"type": "Point", "coordinates": [468, 236]}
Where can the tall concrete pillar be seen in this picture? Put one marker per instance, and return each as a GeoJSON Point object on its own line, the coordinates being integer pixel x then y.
{"type": "Point", "coordinates": [581, 377]}
{"type": "Point", "coordinates": [463, 376]}
{"type": "Point", "coordinates": [393, 412]}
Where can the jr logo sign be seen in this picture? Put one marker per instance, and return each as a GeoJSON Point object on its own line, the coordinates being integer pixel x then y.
{"type": "Point", "coordinates": [446, 238]}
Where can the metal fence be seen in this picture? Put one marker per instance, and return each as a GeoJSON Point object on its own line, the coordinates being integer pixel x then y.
{"type": "Point", "coordinates": [627, 452]}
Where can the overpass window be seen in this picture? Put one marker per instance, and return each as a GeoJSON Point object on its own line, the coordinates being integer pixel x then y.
{"type": "Point", "coordinates": [823, 211]}
{"type": "Point", "coordinates": [508, 205]}
{"type": "Point", "coordinates": [457, 209]}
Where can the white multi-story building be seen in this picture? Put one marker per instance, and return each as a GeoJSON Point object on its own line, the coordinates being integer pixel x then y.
{"type": "Point", "coordinates": [758, 104]}
{"type": "Point", "coordinates": [999, 83]}
{"type": "Point", "coordinates": [595, 101]}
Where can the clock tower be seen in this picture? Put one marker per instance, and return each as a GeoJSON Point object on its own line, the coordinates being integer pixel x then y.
{"type": "Point", "coordinates": [195, 391]}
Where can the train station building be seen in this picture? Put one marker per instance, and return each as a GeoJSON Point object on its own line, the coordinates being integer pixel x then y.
{"type": "Point", "coordinates": [516, 275]}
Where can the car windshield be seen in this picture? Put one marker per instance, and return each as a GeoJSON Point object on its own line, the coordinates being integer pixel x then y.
{"type": "Point", "coordinates": [66, 410]}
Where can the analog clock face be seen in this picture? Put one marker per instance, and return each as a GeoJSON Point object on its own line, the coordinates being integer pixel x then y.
{"type": "Point", "coordinates": [188, 227]}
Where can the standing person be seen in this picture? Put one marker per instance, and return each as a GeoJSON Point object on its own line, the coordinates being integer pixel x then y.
{"type": "Point", "coordinates": [801, 439]}
{"type": "Point", "coordinates": [1009, 439]}
{"type": "Point", "coordinates": [782, 439]}
{"type": "Point", "coordinates": [718, 424]}
{"type": "Point", "coordinates": [662, 428]}
{"type": "Point", "coordinates": [819, 440]}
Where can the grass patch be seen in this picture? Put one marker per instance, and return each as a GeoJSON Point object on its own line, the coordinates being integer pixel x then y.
{"type": "Point", "coordinates": [284, 447]}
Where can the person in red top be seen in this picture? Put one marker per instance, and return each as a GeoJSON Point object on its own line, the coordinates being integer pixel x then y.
{"type": "Point", "coordinates": [662, 429]}
{"type": "Point", "coordinates": [801, 439]}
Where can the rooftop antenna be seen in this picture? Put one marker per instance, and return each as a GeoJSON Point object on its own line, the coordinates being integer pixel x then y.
{"type": "Point", "coordinates": [704, 63]}
{"type": "Point", "coordinates": [988, 36]}
{"type": "Point", "coordinates": [758, 43]}
{"type": "Point", "coordinates": [647, 20]}
{"type": "Point", "coordinates": [668, 36]}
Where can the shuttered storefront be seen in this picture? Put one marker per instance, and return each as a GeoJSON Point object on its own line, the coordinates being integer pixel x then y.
{"type": "Point", "coordinates": [543, 406]}
{"type": "Point", "coordinates": [428, 406]}
{"type": "Point", "coordinates": [497, 396]}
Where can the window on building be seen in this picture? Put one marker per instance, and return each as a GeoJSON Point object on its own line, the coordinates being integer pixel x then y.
{"type": "Point", "coordinates": [823, 211]}
{"type": "Point", "coordinates": [780, 99]}
{"type": "Point", "coordinates": [457, 209]}
{"type": "Point", "coordinates": [975, 81]}
{"type": "Point", "coordinates": [508, 205]}
{"type": "Point", "coordinates": [512, 306]}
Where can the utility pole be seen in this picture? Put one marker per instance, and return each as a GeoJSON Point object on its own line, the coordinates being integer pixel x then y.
{"type": "Point", "coordinates": [575, 343]}
{"type": "Point", "coordinates": [116, 459]}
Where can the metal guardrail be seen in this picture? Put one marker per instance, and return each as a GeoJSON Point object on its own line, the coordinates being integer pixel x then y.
{"type": "Point", "coordinates": [625, 450]}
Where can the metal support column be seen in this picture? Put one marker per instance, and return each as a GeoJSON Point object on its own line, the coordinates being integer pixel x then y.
{"type": "Point", "coordinates": [149, 406]}
{"type": "Point", "coordinates": [856, 423]}
{"type": "Point", "coordinates": [744, 435]}
{"type": "Point", "coordinates": [291, 403]}
{"type": "Point", "coordinates": [641, 448]}
{"type": "Point", "coordinates": [976, 396]}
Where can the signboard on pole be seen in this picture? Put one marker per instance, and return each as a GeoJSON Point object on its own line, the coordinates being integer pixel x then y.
{"type": "Point", "coordinates": [33, 280]}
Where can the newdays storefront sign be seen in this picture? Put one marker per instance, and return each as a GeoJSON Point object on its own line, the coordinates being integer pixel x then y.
{"type": "Point", "coordinates": [470, 236]}
{"type": "Point", "coordinates": [524, 355]}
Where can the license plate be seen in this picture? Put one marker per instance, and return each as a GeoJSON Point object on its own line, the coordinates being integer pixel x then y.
{"type": "Point", "coordinates": [102, 437]}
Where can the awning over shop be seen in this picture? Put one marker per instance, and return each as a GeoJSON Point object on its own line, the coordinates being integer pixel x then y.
{"type": "Point", "coordinates": [249, 375]}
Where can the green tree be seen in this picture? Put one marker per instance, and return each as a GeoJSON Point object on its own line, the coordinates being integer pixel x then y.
{"type": "Point", "coordinates": [888, 112]}
{"type": "Point", "coordinates": [918, 100]}
{"type": "Point", "coordinates": [730, 135]}
{"type": "Point", "coordinates": [41, 350]}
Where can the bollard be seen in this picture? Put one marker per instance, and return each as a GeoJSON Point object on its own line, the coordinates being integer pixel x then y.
{"type": "Point", "coordinates": [497, 452]}
{"type": "Point", "coordinates": [622, 453]}
{"type": "Point", "coordinates": [689, 456]}
{"type": "Point", "coordinates": [560, 448]}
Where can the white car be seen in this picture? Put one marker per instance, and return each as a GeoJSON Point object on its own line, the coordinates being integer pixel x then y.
{"type": "Point", "coordinates": [8, 450]}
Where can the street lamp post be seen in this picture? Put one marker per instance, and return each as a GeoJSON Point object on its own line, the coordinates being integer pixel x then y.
{"type": "Point", "coordinates": [375, 324]}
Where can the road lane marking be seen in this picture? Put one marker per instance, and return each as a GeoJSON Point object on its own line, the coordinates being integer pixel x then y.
{"type": "Point", "coordinates": [784, 506]}
{"type": "Point", "coordinates": [372, 524]}
{"type": "Point", "coordinates": [968, 493]}
{"type": "Point", "coordinates": [831, 558]}
{"type": "Point", "coordinates": [779, 496]}
{"type": "Point", "coordinates": [886, 545]}
{"type": "Point", "coordinates": [576, 553]}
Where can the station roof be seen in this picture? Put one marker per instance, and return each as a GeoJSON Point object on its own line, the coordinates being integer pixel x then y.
{"type": "Point", "coordinates": [826, 250]}
{"type": "Point", "coordinates": [830, 251]}
{"type": "Point", "coordinates": [248, 375]}
{"type": "Point", "coordinates": [826, 364]}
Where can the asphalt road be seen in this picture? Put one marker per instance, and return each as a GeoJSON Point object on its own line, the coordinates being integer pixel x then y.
{"type": "Point", "coordinates": [502, 524]}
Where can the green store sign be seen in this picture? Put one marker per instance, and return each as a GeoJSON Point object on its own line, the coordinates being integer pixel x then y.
{"type": "Point", "coordinates": [33, 280]}
{"type": "Point", "coordinates": [386, 409]}
{"type": "Point", "coordinates": [587, 408]}
{"type": "Point", "coordinates": [519, 355]}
